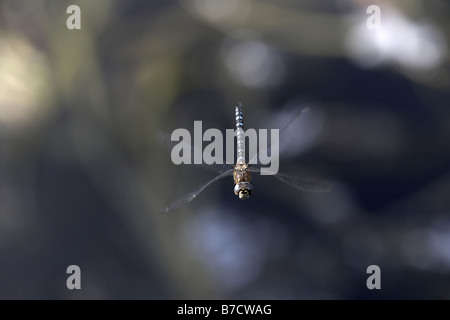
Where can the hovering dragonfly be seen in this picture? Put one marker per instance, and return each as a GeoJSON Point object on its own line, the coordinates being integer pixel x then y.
{"type": "Point", "coordinates": [241, 172]}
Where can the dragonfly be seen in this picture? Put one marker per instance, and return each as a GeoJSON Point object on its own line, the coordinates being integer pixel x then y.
{"type": "Point", "coordinates": [242, 171]}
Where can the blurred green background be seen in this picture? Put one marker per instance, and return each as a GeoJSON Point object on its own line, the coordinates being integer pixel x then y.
{"type": "Point", "coordinates": [83, 174]}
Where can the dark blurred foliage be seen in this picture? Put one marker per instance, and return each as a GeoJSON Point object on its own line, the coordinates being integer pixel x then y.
{"type": "Point", "coordinates": [83, 174]}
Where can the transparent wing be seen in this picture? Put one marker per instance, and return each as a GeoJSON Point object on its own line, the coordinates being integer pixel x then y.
{"type": "Point", "coordinates": [189, 197]}
{"type": "Point", "coordinates": [310, 184]}
{"type": "Point", "coordinates": [284, 133]}
{"type": "Point", "coordinates": [165, 139]}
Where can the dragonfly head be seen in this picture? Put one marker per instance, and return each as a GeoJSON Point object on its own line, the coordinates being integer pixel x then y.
{"type": "Point", "coordinates": [243, 190]}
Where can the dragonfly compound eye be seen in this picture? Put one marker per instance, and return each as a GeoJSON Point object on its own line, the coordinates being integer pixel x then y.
{"type": "Point", "coordinates": [243, 190]}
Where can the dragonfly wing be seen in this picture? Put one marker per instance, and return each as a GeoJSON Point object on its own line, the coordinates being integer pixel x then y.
{"type": "Point", "coordinates": [305, 183]}
{"type": "Point", "coordinates": [285, 135]}
{"type": "Point", "coordinates": [310, 184]}
{"type": "Point", "coordinates": [254, 169]}
{"type": "Point", "coordinates": [189, 197]}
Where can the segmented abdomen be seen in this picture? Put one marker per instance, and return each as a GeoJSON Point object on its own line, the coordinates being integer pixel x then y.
{"type": "Point", "coordinates": [240, 136]}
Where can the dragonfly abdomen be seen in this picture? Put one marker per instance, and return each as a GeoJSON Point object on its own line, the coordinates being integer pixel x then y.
{"type": "Point", "coordinates": [240, 135]}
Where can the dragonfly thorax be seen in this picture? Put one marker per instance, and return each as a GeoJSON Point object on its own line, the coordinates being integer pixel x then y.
{"type": "Point", "coordinates": [243, 187]}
